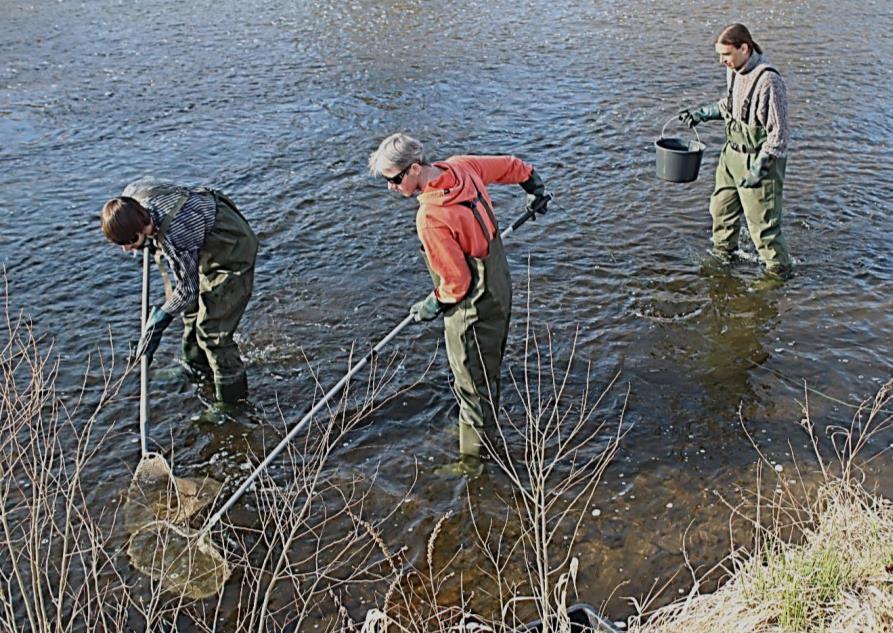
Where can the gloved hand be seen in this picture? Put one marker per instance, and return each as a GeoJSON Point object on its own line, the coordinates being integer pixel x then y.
{"type": "Point", "coordinates": [426, 309]}
{"type": "Point", "coordinates": [692, 116]}
{"type": "Point", "coordinates": [537, 198]}
{"type": "Point", "coordinates": [757, 172]}
{"type": "Point", "coordinates": [155, 325]}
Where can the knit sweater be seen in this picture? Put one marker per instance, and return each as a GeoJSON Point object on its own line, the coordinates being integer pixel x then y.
{"type": "Point", "coordinates": [769, 104]}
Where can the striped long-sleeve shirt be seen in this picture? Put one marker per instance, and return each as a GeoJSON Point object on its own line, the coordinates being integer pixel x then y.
{"type": "Point", "coordinates": [769, 104]}
{"type": "Point", "coordinates": [182, 242]}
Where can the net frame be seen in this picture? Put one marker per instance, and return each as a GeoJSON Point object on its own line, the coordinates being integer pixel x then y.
{"type": "Point", "coordinates": [183, 560]}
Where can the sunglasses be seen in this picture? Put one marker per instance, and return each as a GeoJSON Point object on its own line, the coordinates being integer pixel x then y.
{"type": "Point", "coordinates": [398, 178]}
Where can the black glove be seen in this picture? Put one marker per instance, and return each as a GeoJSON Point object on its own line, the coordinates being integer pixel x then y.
{"type": "Point", "coordinates": [155, 325]}
{"type": "Point", "coordinates": [537, 198]}
{"type": "Point", "coordinates": [693, 116]}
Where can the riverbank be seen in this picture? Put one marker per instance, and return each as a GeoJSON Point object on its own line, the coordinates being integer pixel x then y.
{"type": "Point", "coordinates": [820, 560]}
{"type": "Point", "coordinates": [839, 578]}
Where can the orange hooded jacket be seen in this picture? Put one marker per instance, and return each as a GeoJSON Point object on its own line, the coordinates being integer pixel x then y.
{"type": "Point", "coordinates": [448, 230]}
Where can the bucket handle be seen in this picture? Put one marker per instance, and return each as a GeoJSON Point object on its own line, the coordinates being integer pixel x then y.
{"type": "Point", "coordinates": [676, 118]}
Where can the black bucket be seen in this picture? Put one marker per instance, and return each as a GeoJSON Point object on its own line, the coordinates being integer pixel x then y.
{"type": "Point", "coordinates": [678, 160]}
{"type": "Point", "coordinates": [583, 619]}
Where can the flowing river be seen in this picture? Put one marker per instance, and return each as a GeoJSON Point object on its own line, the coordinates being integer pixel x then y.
{"type": "Point", "coordinates": [280, 104]}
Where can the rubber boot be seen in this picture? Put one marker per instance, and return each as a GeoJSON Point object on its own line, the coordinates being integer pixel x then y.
{"type": "Point", "coordinates": [467, 466]}
{"type": "Point", "coordinates": [469, 441]}
{"type": "Point", "coordinates": [231, 391]}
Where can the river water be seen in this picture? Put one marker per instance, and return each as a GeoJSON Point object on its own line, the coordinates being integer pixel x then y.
{"type": "Point", "coordinates": [280, 105]}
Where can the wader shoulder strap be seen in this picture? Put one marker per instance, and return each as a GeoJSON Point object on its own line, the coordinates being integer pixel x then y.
{"type": "Point", "coordinates": [159, 236]}
{"type": "Point", "coordinates": [729, 96]}
{"type": "Point", "coordinates": [219, 197]}
{"type": "Point", "coordinates": [169, 217]}
{"type": "Point", "coordinates": [471, 204]}
{"type": "Point", "coordinates": [745, 107]}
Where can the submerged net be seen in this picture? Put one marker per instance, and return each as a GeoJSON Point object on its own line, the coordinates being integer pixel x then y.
{"type": "Point", "coordinates": [184, 561]}
{"type": "Point", "coordinates": [156, 495]}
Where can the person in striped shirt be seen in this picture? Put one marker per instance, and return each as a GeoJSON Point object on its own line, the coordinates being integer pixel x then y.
{"type": "Point", "coordinates": [211, 250]}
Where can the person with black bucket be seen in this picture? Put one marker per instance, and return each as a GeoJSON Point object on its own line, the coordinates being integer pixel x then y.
{"type": "Point", "coordinates": [211, 251]}
{"type": "Point", "coordinates": [463, 250]}
{"type": "Point", "coordinates": [751, 170]}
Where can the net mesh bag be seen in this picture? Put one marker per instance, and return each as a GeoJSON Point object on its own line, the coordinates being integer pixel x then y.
{"type": "Point", "coordinates": [182, 560]}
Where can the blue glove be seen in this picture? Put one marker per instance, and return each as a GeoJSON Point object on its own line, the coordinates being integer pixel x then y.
{"type": "Point", "coordinates": [692, 116]}
{"type": "Point", "coordinates": [155, 325]}
{"type": "Point", "coordinates": [426, 309]}
{"type": "Point", "coordinates": [757, 172]}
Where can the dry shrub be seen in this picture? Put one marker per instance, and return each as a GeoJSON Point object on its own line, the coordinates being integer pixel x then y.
{"type": "Point", "coordinates": [62, 561]}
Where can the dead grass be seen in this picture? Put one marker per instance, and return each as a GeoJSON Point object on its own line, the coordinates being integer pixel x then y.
{"type": "Point", "coordinates": [836, 575]}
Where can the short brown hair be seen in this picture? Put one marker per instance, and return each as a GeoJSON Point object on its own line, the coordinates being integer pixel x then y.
{"type": "Point", "coordinates": [123, 219]}
{"type": "Point", "coordinates": [736, 35]}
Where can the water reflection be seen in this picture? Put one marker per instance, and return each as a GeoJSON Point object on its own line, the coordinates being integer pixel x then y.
{"type": "Point", "coordinates": [738, 319]}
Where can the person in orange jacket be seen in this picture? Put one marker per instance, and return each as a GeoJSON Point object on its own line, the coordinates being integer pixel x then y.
{"type": "Point", "coordinates": [465, 257]}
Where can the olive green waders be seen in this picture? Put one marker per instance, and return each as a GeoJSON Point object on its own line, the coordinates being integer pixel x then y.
{"type": "Point", "coordinates": [760, 205]}
{"type": "Point", "coordinates": [226, 279]}
{"type": "Point", "coordinates": [476, 330]}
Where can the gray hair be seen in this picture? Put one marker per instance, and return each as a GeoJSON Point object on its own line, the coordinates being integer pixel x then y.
{"type": "Point", "coordinates": [398, 151]}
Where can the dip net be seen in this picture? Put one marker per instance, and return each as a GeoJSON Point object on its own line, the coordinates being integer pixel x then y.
{"type": "Point", "coordinates": [161, 546]}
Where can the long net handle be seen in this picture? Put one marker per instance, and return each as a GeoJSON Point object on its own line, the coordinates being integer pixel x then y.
{"type": "Point", "coordinates": [303, 422]}
{"type": "Point", "coordinates": [215, 518]}
{"type": "Point", "coordinates": [144, 361]}
{"type": "Point", "coordinates": [676, 118]}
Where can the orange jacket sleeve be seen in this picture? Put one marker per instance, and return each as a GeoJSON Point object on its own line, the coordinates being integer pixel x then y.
{"type": "Point", "coordinates": [504, 170]}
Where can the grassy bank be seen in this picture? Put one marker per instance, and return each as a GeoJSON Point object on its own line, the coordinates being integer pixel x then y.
{"type": "Point", "coordinates": [820, 560]}
{"type": "Point", "coordinates": [839, 578]}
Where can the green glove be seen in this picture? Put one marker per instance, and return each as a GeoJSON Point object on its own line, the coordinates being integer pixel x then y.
{"type": "Point", "coordinates": [155, 325]}
{"type": "Point", "coordinates": [757, 172]}
{"type": "Point", "coordinates": [426, 309]}
{"type": "Point", "coordinates": [692, 116]}
{"type": "Point", "coordinates": [537, 199]}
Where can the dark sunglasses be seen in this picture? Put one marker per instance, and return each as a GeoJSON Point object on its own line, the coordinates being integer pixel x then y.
{"type": "Point", "coordinates": [397, 179]}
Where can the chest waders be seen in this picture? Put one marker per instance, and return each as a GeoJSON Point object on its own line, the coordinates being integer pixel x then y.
{"type": "Point", "coordinates": [476, 330]}
{"type": "Point", "coordinates": [761, 206]}
{"type": "Point", "coordinates": [226, 280]}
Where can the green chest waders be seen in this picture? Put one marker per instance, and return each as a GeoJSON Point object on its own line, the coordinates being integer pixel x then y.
{"type": "Point", "coordinates": [761, 206]}
{"type": "Point", "coordinates": [226, 280]}
{"type": "Point", "coordinates": [476, 330]}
